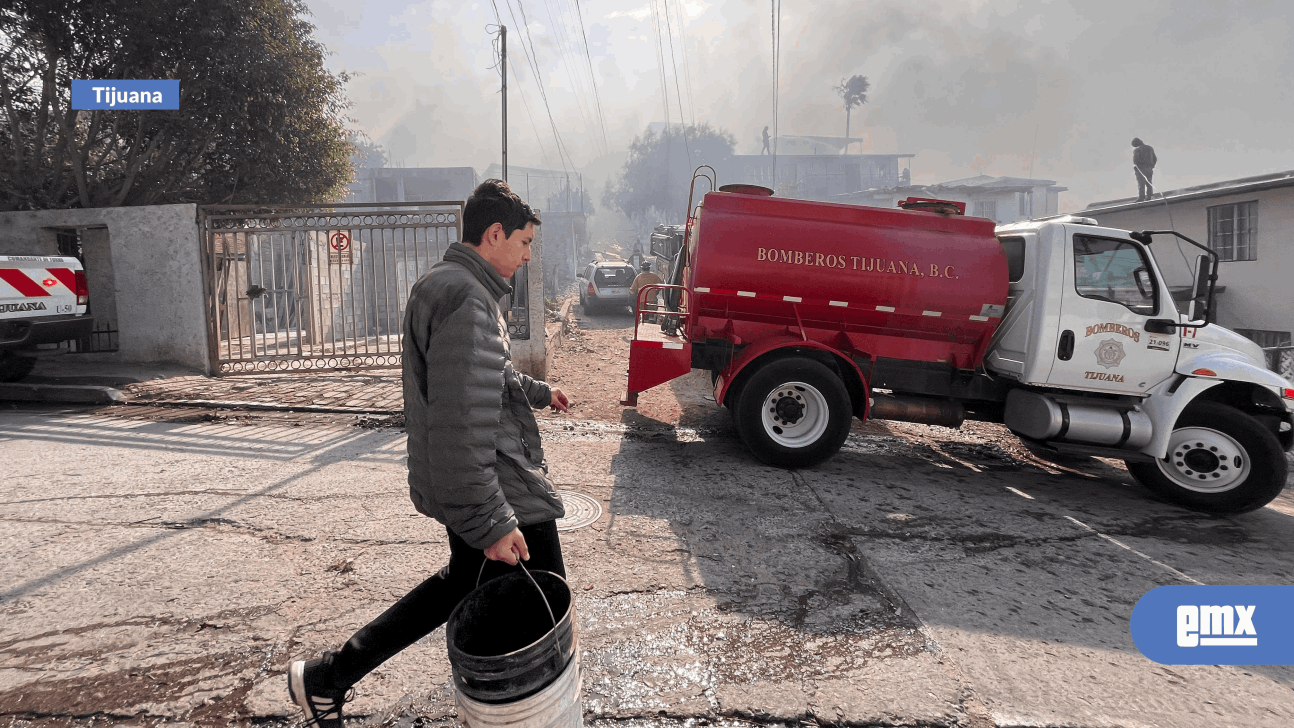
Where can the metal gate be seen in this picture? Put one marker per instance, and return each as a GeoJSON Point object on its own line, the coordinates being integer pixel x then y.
{"type": "Point", "coordinates": [295, 287]}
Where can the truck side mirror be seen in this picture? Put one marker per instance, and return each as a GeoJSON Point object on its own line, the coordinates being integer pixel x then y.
{"type": "Point", "coordinates": [1201, 301]}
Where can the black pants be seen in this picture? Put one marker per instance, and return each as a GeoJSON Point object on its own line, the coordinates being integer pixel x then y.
{"type": "Point", "coordinates": [429, 604]}
{"type": "Point", "coordinates": [1145, 190]}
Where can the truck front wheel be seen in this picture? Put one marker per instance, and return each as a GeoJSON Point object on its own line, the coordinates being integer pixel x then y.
{"type": "Point", "coordinates": [1220, 461]}
{"type": "Point", "coordinates": [793, 413]}
{"type": "Point", "coordinates": [14, 367]}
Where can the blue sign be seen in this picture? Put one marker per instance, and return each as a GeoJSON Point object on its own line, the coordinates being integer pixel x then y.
{"type": "Point", "coordinates": [1216, 625]}
{"type": "Point", "coordinates": [126, 95]}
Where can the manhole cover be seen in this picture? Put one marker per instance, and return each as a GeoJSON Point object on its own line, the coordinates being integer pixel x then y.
{"type": "Point", "coordinates": [581, 510]}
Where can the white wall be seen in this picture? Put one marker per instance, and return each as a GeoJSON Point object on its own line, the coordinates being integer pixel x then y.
{"type": "Point", "coordinates": [156, 272]}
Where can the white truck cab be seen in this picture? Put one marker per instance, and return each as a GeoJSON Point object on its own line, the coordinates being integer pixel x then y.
{"type": "Point", "coordinates": [44, 300]}
{"type": "Point", "coordinates": [1102, 362]}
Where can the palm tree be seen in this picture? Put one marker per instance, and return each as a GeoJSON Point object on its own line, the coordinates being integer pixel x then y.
{"type": "Point", "coordinates": [854, 93]}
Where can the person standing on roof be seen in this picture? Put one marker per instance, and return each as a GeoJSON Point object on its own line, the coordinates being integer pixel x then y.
{"type": "Point", "coordinates": [476, 463]}
{"type": "Point", "coordinates": [1143, 165]}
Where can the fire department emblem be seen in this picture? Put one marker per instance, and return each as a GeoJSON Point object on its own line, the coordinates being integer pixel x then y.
{"type": "Point", "coordinates": [1109, 353]}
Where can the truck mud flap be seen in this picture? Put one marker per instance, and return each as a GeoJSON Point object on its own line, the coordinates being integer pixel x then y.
{"type": "Point", "coordinates": [655, 362]}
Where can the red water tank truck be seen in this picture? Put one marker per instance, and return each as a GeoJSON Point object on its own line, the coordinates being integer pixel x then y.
{"type": "Point", "coordinates": [808, 314]}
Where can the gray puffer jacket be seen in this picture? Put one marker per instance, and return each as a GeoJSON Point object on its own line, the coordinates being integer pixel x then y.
{"type": "Point", "coordinates": [475, 460]}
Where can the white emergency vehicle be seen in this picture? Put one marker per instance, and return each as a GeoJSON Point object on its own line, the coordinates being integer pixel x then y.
{"type": "Point", "coordinates": [44, 300]}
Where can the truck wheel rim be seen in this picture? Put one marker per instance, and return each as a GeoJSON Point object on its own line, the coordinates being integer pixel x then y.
{"type": "Point", "coordinates": [795, 415]}
{"type": "Point", "coordinates": [1205, 460]}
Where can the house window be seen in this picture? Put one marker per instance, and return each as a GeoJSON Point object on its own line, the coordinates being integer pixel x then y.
{"type": "Point", "coordinates": [1233, 230]}
{"type": "Point", "coordinates": [1022, 203]}
{"type": "Point", "coordinates": [69, 243]}
{"type": "Point", "coordinates": [986, 209]}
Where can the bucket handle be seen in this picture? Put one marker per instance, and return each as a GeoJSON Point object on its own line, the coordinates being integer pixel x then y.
{"type": "Point", "coordinates": [532, 581]}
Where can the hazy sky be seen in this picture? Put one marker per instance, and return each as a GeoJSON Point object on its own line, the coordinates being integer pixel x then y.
{"type": "Point", "coordinates": [991, 87]}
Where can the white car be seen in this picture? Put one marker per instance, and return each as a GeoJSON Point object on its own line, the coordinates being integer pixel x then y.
{"type": "Point", "coordinates": [607, 285]}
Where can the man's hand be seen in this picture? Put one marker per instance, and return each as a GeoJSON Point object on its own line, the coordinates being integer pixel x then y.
{"type": "Point", "coordinates": [559, 401]}
{"type": "Point", "coordinates": [509, 548]}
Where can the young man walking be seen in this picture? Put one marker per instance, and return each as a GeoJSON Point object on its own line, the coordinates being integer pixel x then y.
{"type": "Point", "coordinates": [476, 463]}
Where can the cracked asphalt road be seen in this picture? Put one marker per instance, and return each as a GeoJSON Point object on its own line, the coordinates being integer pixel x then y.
{"type": "Point", "coordinates": [162, 568]}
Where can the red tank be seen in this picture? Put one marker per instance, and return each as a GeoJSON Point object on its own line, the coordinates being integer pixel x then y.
{"type": "Point", "coordinates": [879, 283]}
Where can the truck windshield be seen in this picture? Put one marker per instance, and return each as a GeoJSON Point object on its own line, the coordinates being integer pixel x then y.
{"type": "Point", "coordinates": [1107, 270]}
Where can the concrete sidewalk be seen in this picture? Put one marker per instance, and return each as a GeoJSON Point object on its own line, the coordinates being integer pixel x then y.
{"type": "Point", "coordinates": [371, 391]}
{"type": "Point", "coordinates": [364, 391]}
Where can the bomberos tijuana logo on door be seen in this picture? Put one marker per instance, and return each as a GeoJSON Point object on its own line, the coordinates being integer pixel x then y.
{"type": "Point", "coordinates": [1109, 353]}
{"type": "Point", "coordinates": [855, 263]}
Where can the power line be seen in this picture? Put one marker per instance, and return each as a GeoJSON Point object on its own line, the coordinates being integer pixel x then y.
{"type": "Point", "coordinates": [571, 42]}
{"type": "Point", "coordinates": [535, 127]}
{"type": "Point", "coordinates": [660, 64]}
{"type": "Point", "coordinates": [533, 56]}
{"type": "Point", "coordinates": [561, 42]}
{"type": "Point", "coordinates": [606, 142]}
{"type": "Point", "coordinates": [677, 92]}
{"type": "Point", "coordinates": [687, 71]}
{"type": "Point", "coordinates": [527, 46]}
{"type": "Point", "coordinates": [539, 140]}
{"type": "Point", "coordinates": [664, 83]}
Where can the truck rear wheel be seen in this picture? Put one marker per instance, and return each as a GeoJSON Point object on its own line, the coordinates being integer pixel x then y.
{"type": "Point", "coordinates": [14, 367]}
{"type": "Point", "coordinates": [793, 413]}
{"type": "Point", "coordinates": [1220, 460]}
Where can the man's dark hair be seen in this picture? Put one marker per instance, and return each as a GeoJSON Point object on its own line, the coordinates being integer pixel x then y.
{"type": "Point", "coordinates": [494, 201]}
{"type": "Point", "coordinates": [1137, 142]}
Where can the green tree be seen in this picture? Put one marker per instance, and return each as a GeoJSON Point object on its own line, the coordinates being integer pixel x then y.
{"type": "Point", "coordinates": [260, 120]}
{"type": "Point", "coordinates": [854, 93]}
{"type": "Point", "coordinates": [367, 154]}
{"type": "Point", "coordinates": [659, 168]}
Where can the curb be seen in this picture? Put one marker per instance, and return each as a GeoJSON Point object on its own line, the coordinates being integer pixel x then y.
{"type": "Point", "coordinates": [259, 406]}
{"type": "Point", "coordinates": [61, 393]}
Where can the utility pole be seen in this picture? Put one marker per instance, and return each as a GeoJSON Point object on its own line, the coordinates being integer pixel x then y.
{"type": "Point", "coordinates": [503, 65]}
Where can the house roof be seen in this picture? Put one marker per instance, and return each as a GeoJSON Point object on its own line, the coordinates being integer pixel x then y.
{"type": "Point", "coordinates": [1003, 183]}
{"type": "Point", "coordinates": [1214, 189]}
{"type": "Point", "coordinates": [769, 158]}
{"type": "Point", "coordinates": [968, 185]}
{"type": "Point", "coordinates": [495, 169]}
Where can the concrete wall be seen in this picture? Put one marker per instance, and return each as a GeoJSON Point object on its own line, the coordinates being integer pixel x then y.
{"type": "Point", "coordinates": [416, 184]}
{"type": "Point", "coordinates": [148, 261]}
{"type": "Point", "coordinates": [1258, 294]}
{"type": "Point", "coordinates": [566, 236]}
{"type": "Point", "coordinates": [815, 177]}
{"type": "Point", "coordinates": [530, 355]}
